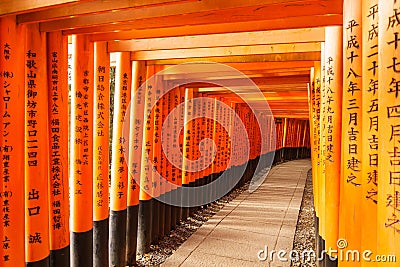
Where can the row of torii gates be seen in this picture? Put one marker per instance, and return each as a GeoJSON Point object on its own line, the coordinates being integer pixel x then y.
{"type": "Point", "coordinates": [91, 182]}
{"type": "Point", "coordinates": [112, 223]}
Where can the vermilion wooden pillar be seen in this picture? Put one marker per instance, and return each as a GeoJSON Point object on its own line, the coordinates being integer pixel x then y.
{"type": "Point", "coordinates": [57, 80]}
{"type": "Point", "coordinates": [215, 137]}
{"type": "Point", "coordinates": [193, 151]}
{"type": "Point", "coordinates": [187, 145]}
{"type": "Point", "coordinates": [201, 129]}
{"type": "Point", "coordinates": [317, 184]}
{"type": "Point", "coordinates": [145, 198]}
{"type": "Point", "coordinates": [165, 164]}
{"type": "Point", "coordinates": [333, 129]}
{"type": "Point", "coordinates": [157, 183]}
{"type": "Point", "coordinates": [101, 146]}
{"type": "Point", "coordinates": [205, 149]}
{"type": "Point", "coordinates": [178, 144]}
{"type": "Point", "coordinates": [81, 156]}
{"type": "Point", "coordinates": [316, 135]}
{"type": "Point", "coordinates": [322, 169]}
{"type": "Point", "coordinates": [284, 134]}
{"type": "Point", "coordinates": [389, 131]}
{"type": "Point", "coordinates": [351, 179]}
{"type": "Point", "coordinates": [370, 135]}
{"type": "Point", "coordinates": [135, 157]}
{"type": "Point", "coordinates": [37, 243]}
{"type": "Point", "coordinates": [119, 167]}
{"type": "Point", "coordinates": [311, 114]}
{"type": "Point", "coordinates": [12, 128]}
{"type": "Point", "coordinates": [229, 179]}
{"type": "Point", "coordinates": [208, 153]}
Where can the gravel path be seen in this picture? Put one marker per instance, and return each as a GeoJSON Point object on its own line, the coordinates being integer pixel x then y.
{"type": "Point", "coordinates": [304, 238]}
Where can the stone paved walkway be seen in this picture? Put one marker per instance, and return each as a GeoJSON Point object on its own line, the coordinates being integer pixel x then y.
{"type": "Point", "coordinates": [250, 223]}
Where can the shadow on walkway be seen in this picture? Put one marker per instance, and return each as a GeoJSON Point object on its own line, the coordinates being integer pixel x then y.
{"type": "Point", "coordinates": [263, 220]}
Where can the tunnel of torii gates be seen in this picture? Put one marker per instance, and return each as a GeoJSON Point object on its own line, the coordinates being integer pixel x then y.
{"type": "Point", "coordinates": [89, 181]}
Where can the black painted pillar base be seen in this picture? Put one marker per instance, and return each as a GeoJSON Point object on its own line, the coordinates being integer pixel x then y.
{"type": "Point", "coordinates": [155, 220]}
{"type": "Point", "coordinates": [174, 217]}
{"type": "Point", "coordinates": [249, 170]}
{"type": "Point", "coordinates": [161, 218]}
{"type": "Point", "coordinates": [322, 246]}
{"type": "Point", "coordinates": [144, 226]}
{"type": "Point", "coordinates": [284, 154]}
{"type": "Point", "coordinates": [192, 199]}
{"type": "Point", "coordinates": [60, 257]}
{"type": "Point", "coordinates": [213, 192]}
{"type": "Point", "coordinates": [330, 261]}
{"type": "Point", "coordinates": [82, 249]}
{"type": "Point", "coordinates": [174, 209]}
{"type": "Point", "coordinates": [117, 238]}
{"type": "Point", "coordinates": [209, 192]}
{"type": "Point", "coordinates": [233, 179]}
{"type": "Point", "coordinates": [201, 196]}
{"type": "Point", "coordinates": [185, 203]}
{"type": "Point", "coordinates": [131, 234]}
{"type": "Point", "coordinates": [167, 213]}
{"type": "Point", "coordinates": [42, 263]}
{"type": "Point", "coordinates": [100, 242]}
{"type": "Point", "coordinates": [197, 184]}
{"type": "Point", "coordinates": [226, 180]}
{"type": "Point", "coordinates": [317, 240]}
{"type": "Point", "coordinates": [179, 209]}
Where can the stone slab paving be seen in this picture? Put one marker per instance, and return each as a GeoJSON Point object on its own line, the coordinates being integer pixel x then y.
{"type": "Point", "coordinates": [265, 218]}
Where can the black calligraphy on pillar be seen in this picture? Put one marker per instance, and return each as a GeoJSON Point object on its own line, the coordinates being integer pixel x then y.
{"type": "Point", "coordinates": [31, 109]}
{"type": "Point", "coordinates": [55, 136]}
{"type": "Point", "coordinates": [148, 146]}
{"type": "Point", "coordinates": [391, 92]}
{"type": "Point", "coordinates": [100, 128]}
{"type": "Point", "coordinates": [6, 147]}
{"type": "Point", "coordinates": [372, 102]}
{"type": "Point", "coordinates": [122, 141]}
{"type": "Point", "coordinates": [156, 135]}
{"type": "Point", "coordinates": [175, 137]}
{"type": "Point", "coordinates": [188, 136]}
{"type": "Point", "coordinates": [317, 118]}
{"type": "Point", "coordinates": [82, 129]}
{"type": "Point", "coordinates": [32, 133]}
{"type": "Point", "coordinates": [138, 129]}
{"type": "Point", "coordinates": [352, 102]}
{"type": "Point", "coordinates": [330, 111]}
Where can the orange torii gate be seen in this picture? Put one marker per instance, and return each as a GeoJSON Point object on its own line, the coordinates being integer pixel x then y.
{"type": "Point", "coordinates": [388, 224]}
{"type": "Point", "coordinates": [57, 64]}
{"type": "Point", "coordinates": [81, 158]}
{"type": "Point", "coordinates": [370, 121]}
{"type": "Point", "coordinates": [333, 104]}
{"type": "Point", "coordinates": [101, 231]}
{"type": "Point", "coordinates": [353, 126]}
{"type": "Point", "coordinates": [135, 129]}
{"type": "Point", "coordinates": [119, 168]}
{"type": "Point", "coordinates": [11, 143]}
{"type": "Point", "coordinates": [101, 146]}
{"type": "Point", "coordinates": [367, 218]}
